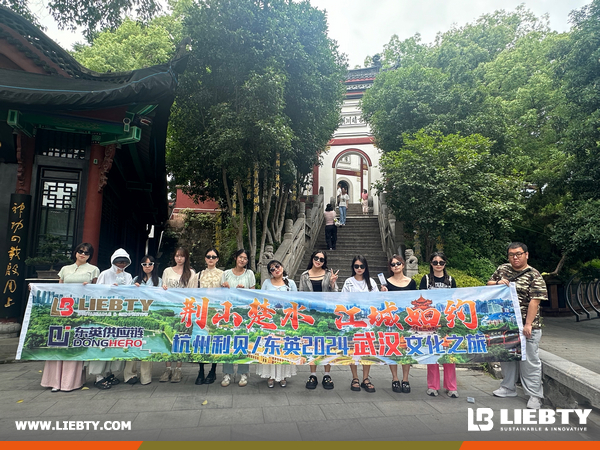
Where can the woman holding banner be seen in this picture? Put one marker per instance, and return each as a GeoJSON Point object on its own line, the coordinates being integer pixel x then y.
{"type": "Point", "coordinates": [69, 375]}
{"type": "Point", "coordinates": [176, 276]}
{"type": "Point", "coordinates": [360, 281]}
{"type": "Point", "coordinates": [399, 282]}
{"type": "Point", "coordinates": [147, 275]}
{"type": "Point", "coordinates": [279, 281]}
{"type": "Point", "coordinates": [208, 278]}
{"type": "Point", "coordinates": [242, 278]}
{"type": "Point", "coordinates": [114, 276]}
{"type": "Point", "coordinates": [438, 278]}
{"type": "Point", "coordinates": [319, 278]}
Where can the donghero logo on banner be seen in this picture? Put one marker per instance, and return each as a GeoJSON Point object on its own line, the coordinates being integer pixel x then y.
{"type": "Point", "coordinates": [98, 322]}
{"type": "Point", "coordinates": [482, 419]}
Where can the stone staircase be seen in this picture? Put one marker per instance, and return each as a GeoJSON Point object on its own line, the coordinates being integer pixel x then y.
{"type": "Point", "coordinates": [360, 236]}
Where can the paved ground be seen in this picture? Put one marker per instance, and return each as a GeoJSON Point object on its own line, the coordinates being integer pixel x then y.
{"type": "Point", "coordinates": [167, 411]}
{"type": "Point", "coordinates": [578, 342]}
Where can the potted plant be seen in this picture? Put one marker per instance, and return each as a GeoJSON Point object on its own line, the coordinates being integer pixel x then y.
{"type": "Point", "coordinates": [52, 251]}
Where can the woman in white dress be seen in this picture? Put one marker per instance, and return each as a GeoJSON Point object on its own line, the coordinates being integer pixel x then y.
{"type": "Point", "coordinates": [177, 276]}
{"type": "Point", "coordinates": [360, 281]}
{"type": "Point", "coordinates": [69, 375]}
{"type": "Point", "coordinates": [208, 278]}
{"type": "Point", "coordinates": [279, 281]}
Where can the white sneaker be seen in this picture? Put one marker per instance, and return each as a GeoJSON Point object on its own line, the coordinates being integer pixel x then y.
{"type": "Point", "coordinates": [432, 392]}
{"type": "Point", "coordinates": [453, 394]}
{"type": "Point", "coordinates": [504, 392]}
{"type": "Point", "coordinates": [226, 380]}
{"type": "Point", "coordinates": [534, 402]}
{"type": "Point", "coordinates": [243, 380]}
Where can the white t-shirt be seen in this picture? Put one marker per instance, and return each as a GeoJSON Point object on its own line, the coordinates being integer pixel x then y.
{"type": "Point", "coordinates": [344, 200]}
{"type": "Point", "coordinates": [353, 285]}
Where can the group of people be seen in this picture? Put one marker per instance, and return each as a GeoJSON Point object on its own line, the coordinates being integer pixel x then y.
{"type": "Point", "coordinates": [318, 277]}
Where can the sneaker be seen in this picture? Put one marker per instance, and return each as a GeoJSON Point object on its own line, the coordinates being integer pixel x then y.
{"type": "Point", "coordinates": [432, 392]}
{"type": "Point", "coordinates": [534, 402]}
{"type": "Point", "coordinates": [166, 376]}
{"type": "Point", "coordinates": [504, 392]}
{"type": "Point", "coordinates": [243, 380]}
{"type": "Point", "coordinates": [226, 380]}
{"type": "Point", "coordinates": [176, 376]}
{"type": "Point", "coordinates": [312, 382]}
{"type": "Point", "coordinates": [453, 394]}
{"type": "Point", "coordinates": [405, 387]}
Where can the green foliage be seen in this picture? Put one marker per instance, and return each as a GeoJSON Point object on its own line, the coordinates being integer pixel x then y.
{"type": "Point", "coordinates": [450, 185]}
{"type": "Point", "coordinates": [51, 251]}
{"type": "Point", "coordinates": [130, 46]}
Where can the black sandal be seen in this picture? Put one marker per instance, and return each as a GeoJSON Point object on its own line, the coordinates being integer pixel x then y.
{"type": "Point", "coordinates": [396, 386]}
{"type": "Point", "coordinates": [112, 379]}
{"type": "Point", "coordinates": [327, 382]}
{"type": "Point", "coordinates": [103, 384]}
{"type": "Point", "coordinates": [406, 387]}
{"type": "Point", "coordinates": [367, 385]}
{"type": "Point", "coordinates": [355, 384]}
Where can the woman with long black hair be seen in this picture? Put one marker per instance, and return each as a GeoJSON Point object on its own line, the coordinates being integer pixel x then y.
{"type": "Point", "coordinates": [241, 277]}
{"type": "Point", "coordinates": [319, 278]}
{"type": "Point", "coordinates": [438, 278]}
{"type": "Point", "coordinates": [399, 282]}
{"type": "Point", "coordinates": [360, 281]}
{"type": "Point", "coordinates": [147, 275]}
{"type": "Point", "coordinates": [176, 276]}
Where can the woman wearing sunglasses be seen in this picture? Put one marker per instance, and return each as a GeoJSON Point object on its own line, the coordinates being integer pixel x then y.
{"type": "Point", "coordinates": [399, 282]}
{"type": "Point", "coordinates": [318, 278]}
{"type": "Point", "coordinates": [360, 281]}
{"type": "Point", "coordinates": [438, 278]}
{"type": "Point", "coordinates": [69, 375]}
{"type": "Point", "coordinates": [208, 278]}
{"type": "Point", "coordinates": [242, 278]}
{"type": "Point", "coordinates": [147, 275]}
{"type": "Point", "coordinates": [278, 281]}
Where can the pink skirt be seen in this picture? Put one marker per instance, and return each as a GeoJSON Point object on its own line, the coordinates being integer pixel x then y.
{"type": "Point", "coordinates": [63, 375]}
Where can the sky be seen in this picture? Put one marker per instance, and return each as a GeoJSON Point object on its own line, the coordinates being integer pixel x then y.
{"type": "Point", "coordinates": [362, 27]}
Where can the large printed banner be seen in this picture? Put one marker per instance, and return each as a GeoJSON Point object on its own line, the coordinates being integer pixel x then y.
{"type": "Point", "coordinates": [97, 322]}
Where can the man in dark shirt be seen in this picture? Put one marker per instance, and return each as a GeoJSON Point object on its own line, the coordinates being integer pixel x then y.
{"type": "Point", "coordinates": [531, 289]}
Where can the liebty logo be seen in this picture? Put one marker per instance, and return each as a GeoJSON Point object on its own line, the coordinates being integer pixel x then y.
{"type": "Point", "coordinates": [481, 419]}
{"type": "Point", "coordinates": [483, 415]}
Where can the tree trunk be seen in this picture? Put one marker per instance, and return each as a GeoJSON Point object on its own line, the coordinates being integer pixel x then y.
{"type": "Point", "coordinates": [240, 228]}
{"type": "Point", "coordinates": [265, 215]}
{"type": "Point", "coordinates": [560, 265]}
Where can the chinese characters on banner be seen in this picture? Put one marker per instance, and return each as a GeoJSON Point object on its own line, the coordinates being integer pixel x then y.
{"type": "Point", "coordinates": [13, 262]}
{"type": "Point", "coordinates": [250, 326]}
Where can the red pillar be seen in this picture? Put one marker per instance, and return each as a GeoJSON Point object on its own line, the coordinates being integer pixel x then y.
{"type": "Point", "coordinates": [93, 201]}
{"type": "Point", "coordinates": [315, 182]}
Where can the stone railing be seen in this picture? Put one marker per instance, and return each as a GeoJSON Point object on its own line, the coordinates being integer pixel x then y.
{"type": "Point", "coordinates": [298, 237]}
{"type": "Point", "coordinates": [392, 241]}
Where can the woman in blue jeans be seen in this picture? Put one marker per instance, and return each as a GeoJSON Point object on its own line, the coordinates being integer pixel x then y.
{"type": "Point", "coordinates": [344, 199]}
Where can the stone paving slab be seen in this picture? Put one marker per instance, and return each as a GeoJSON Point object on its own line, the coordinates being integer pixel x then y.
{"type": "Point", "coordinates": [169, 411]}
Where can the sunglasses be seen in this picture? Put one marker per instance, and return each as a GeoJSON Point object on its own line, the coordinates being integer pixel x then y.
{"type": "Point", "coordinates": [516, 255]}
{"type": "Point", "coordinates": [396, 264]}
{"type": "Point", "coordinates": [211, 257]}
{"type": "Point", "coordinates": [150, 264]}
{"type": "Point", "coordinates": [317, 259]}
{"type": "Point", "coordinates": [274, 267]}
{"type": "Point", "coordinates": [83, 252]}
{"type": "Point", "coordinates": [438, 263]}
{"type": "Point", "coordinates": [359, 266]}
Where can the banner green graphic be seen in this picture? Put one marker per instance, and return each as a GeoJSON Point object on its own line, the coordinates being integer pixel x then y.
{"type": "Point", "coordinates": [96, 322]}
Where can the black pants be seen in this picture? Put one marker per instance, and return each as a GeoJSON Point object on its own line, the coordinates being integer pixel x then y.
{"type": "Point", "coordinates": [330, 236]}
